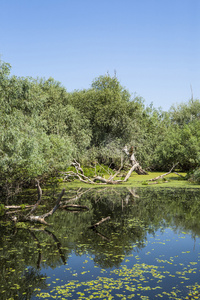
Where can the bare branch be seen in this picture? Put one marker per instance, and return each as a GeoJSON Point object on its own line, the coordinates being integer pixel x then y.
{"type": "Point", "coordinates": [18, 206]}
{"type": "Point", "coordinates": [130, 172]}
{"type": "Point", "coordinates": [161, 176]}
{"type": "Point", "coordinates": [50, 213]}
{"type": "Point", "coordinates": [38, 219]}
{"type": "Point", "coordinates": [130, 154]}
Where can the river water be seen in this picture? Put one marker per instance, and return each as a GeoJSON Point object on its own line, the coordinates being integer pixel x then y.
{"type": "Point", "coordinates": [148, 249]}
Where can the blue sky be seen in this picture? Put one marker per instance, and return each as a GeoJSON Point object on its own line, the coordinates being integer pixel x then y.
{"type": "Point", "coordinates": [154, 45]}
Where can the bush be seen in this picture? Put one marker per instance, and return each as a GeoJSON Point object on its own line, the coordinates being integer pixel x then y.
{"type": "Point", "coordinates": [194, 176]}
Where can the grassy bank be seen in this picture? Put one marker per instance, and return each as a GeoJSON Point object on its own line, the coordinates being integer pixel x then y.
{"type": "Point", "coordinates": [171, 180]}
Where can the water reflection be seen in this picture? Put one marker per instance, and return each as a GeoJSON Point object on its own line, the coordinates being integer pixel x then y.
{"type": "Point", "coordinates": [26, 252]}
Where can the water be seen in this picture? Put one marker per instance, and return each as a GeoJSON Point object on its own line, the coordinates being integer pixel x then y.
{"type": "Point", "coordinates": [149, 249]}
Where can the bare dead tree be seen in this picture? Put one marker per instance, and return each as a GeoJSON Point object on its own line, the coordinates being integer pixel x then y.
{"type": "Point", "coordinates": [79, 174]}
{"type": "Point", "coordinates": [135, 165]}
{"type": "Point", "coordinates": [39, 218]}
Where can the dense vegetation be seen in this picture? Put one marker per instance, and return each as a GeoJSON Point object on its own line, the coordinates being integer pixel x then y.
{"type": "Point", "coordinates": [43, 127]}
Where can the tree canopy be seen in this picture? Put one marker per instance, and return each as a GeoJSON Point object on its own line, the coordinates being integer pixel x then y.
{"type": "Point", "coordinates": [43, 127]}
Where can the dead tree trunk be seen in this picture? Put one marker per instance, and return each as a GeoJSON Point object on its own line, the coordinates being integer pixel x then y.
{"type": "Point", "coordinates": [41, 218]}
{"type": "Point", "coordinates": [101, 180]}
{"type": "Point", "coordinates": [135, 165]}
{"type": "Point", "coordinates": [80, 175]}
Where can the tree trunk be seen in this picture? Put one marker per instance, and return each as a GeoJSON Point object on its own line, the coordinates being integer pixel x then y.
{"type": "Point", "coordinates": [38, 219]}
{"type": "Point", "coordinates": [135, 165]}
{"type": "Point", "coordinates": [80, 174]}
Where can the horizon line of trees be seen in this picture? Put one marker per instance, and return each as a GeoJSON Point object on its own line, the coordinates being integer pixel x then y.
{"type": "Point", "coordinates": [43, 127]}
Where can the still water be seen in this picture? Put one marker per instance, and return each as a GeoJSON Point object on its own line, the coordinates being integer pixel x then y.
{"type": "Point", "coordinates": [148, 249]}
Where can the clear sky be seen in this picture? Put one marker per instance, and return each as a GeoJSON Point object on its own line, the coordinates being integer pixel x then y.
{"type": "Point", "coordinates": [154, 45]}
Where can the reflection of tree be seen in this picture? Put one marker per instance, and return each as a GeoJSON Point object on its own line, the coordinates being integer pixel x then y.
{"type": "Point", "coordinates": [17, 282]}
{"type": "Point", "coordinates": [31, 279]}
{"type": "Point", "coordinates": [58, 245]}
{"type": "Point", "coordinates": [39, 249]}
{"type": "Point", "coordinates": [133, 214]}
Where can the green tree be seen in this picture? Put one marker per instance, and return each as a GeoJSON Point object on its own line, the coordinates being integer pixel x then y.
{"type": "Point", "coordinates": [109, 108]}
{"type": "Point", "coordinates": [185, 112]}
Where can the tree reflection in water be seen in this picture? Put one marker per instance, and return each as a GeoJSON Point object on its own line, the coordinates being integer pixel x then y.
{"type": "Point", "coordinates": [25, 252]}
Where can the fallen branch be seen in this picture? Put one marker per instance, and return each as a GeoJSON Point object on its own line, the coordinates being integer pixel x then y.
{"type": "Point", "coordinates": [51, 212]}
{"type": "Point", "coordinates": [77, 166]}
{"type": "Point", "coordinates": [161, 176]}
{"type": "Point", "coordinates": [99, 223]}
{"type": "Point", "coordinates": [68, 206]}
{"type": "Point", "coordinates": [18, 206]}
{"type": "Point", "coordinates": [106, 181]}
{"type": "Point", "coordinates": [101, 180]}
{"type": "Point", "coordinates": [41, 218]}
{"type": "Point", "coordinates": [179, 175]}
{"type": "Point", "coordinates": [86, 179]}
{"type": "Point", "coordinates": [130, 171]}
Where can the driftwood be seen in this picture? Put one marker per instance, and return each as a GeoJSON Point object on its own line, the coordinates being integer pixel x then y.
{"type": "Point", "coordinates": [10, 212]}
{"type": "Point", "coordinates": [107, 181]}
{"type": "Point", "coordinates": [130, 172]}
{"type": "Point", "coordinates": [99, 223]}
{"type": "Point", "coordinates": [18, 206]}
{"type": "Point", "coordinates": [79, 174]}
{"type": "Point", "coordinates": [183, 177]}
{"type": "Point", "coordinates": [163, 175]}
{"type": "Point", "coordinates": [41, 218]}
{"type": "Point", "coordinates": [77, 166]}
{"type": "Point", "coordinates": [85, 179]}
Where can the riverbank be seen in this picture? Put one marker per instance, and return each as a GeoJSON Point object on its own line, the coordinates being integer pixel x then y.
{"type": "Point", "coordinates": [171, 180]}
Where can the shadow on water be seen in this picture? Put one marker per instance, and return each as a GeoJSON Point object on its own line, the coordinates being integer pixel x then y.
{"type": "Point", "coordinates": [27, 251]}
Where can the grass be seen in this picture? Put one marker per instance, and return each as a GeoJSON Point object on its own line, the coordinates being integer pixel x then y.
{"type": "Point", "coordinates": [136, 180]}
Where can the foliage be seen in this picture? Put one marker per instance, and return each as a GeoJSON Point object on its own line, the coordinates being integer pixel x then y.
{"type": "Point", "coordinates": [43, 127]}
{"type": "Point", "coordinates": [185, 112]}
{"type": "Point", "coordinates": [194, 176]}
{"type": "Point", "coordinates": [110, 110]}
{"type": "Point", "coordinates": [39, 132]}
